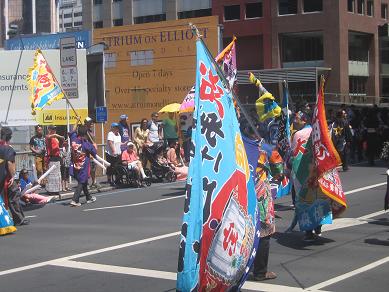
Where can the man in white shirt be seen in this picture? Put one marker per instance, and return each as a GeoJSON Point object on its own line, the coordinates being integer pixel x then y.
{"type": "Point", "coordinates": [154, 131]}
{"type": "Point", "coordinates": [113, 151]}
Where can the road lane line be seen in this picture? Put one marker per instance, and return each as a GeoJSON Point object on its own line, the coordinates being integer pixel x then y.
{"type": "Point", "coordinates": [135, 204]}
{"type": "Point", "coordinates": [364, 188]}
{"type": "Point", "coordinates": [349, 274]}
{"type": "Point", "coordinates": [93, 252]}
{"type": "Point", "coordinates": [253, 286]}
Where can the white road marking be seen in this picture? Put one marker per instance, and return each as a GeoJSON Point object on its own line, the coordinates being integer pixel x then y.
{"type": "Point", "coordinates": [364, 188]}
{"type": "Point", "coordinates": [253, 286]}
{"type": "Point", "coordinates": [31, 216]}
{"type": "Point", "coordinates": [135, 204]}
{"type": "Point", "coordinates": [350, 274]}
{"type": "Point", "coordinates": [349, 222]}
{"type": "Point", "coordinates": [93, 252]}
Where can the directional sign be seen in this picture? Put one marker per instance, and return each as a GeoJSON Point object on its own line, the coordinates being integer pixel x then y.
{"type": "Point", "coordinates": [101, 114]}
{"type": "Point", "coordinates": [68, 52]}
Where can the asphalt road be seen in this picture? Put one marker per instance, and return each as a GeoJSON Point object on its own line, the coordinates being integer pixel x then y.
{"type": "Point", "coordinates": [128, 241]}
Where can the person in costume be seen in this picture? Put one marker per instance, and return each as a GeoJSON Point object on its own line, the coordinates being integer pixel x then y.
{"type": "Point", "coordinates": [25, 183]}
{"type": "Point", "coordinates": [81, 149]}
{"type": "Point", "coordinates": [53, 157]}
{"type": "Point", "coordinates": [258, 154]}
{"type": "Point", "coordinates": [7, 171]}
{"type": "Point", "coordinates": [341, 137]}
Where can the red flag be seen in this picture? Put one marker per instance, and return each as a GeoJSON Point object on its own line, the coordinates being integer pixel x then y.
{"type": "Point", "coordinates": [325, 155]}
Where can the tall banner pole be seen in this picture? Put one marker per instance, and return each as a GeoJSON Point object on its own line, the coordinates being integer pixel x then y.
{"type": "Point", "coordinates": [102, 142]}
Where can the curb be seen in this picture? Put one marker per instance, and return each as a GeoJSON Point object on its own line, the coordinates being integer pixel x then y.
{"type": "Point", "coordinates": [67, 196]}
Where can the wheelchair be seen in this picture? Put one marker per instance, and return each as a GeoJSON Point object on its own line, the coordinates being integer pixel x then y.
{"type": "Point", "coordinates": [122, 176]}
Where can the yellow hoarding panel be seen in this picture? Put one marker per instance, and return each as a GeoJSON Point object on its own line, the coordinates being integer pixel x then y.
{"type": "Point", "coordinates": [151, 65]}
{"type": "Point", "coordinates": [59, 117]}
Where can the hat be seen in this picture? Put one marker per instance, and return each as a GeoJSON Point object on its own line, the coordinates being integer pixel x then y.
{"type": "Point", "coordinates": [88, 120]}
{"type": "Point", "coordinates": [52, 127]}
{"type": "Point", "coordinates": [123, 117]}
{"type": "Point", "coordinates": [113, 125]}
{"type": "Point", "coordinates": [130, 144]}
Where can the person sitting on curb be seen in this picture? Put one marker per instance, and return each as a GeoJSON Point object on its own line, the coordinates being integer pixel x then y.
{"type": "Point", "coordinates": [31, 198]}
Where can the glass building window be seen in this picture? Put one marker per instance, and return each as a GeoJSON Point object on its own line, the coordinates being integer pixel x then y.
{"type": "Point", "coordinates": [77, 14]}
{"type": "Point", "coordinates": [350, 5]}
{"type": "Point", "coordinates": [232, 12]}
{"type": "Point", "coordinates": [141, 58]}
{"type": "Point", "coordinates": [69, 24]}
{"type": "Point", "coordinates": [360, 6]}
{"type": "Point", "coordinates": [67, 15]}
{"type": "Point", "coordinates": [357, 85]}
{"type": "Point", "coordinates": [384, 11]}
{"type": "Point", "coordinates": [313, 5]}
{"type": "Point", "coordinates": [302, 47]}
{"type": "Point", "coordinates": [97, 2]}
{"type": "Point", "coordinates": [117, 22]}
{"type": "Point", "coordinates": [77, 23]}
{"type": "Point", "coordinates": [254, 10]}
{"type": "Point", "coordinates": [286, 7]}
{"type": "Point", "coordinates": [98, 24]}
{"type": "Point", "coordinates": [149, 18]}
{"type": "Point", "coordinates": [110, 60]}
{"type": "Point", "coordinates": [194, 13]}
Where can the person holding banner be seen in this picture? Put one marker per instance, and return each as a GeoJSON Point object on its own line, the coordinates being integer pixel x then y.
{"type": "Point", "coordinates": [81, 149]}
{"type": "Point", "coordinates": [53, 157]}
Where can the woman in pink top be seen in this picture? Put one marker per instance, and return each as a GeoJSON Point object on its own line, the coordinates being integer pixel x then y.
{"type": "Point", "coordinates": [131, 159]}
{"type": "Point", "coordinates": [180, 169]}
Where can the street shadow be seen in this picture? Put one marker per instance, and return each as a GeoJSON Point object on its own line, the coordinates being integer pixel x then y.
{"type": "Point", "coordinates": [294, 240]}
{"type": "Point", "coordinates": [279, 207]}
{"type": "Point", "coordinates": [377, 241]}
{"type": "Point", "coordinates": [174, 194]}
{"type": "Point", "coordinates": [32, 207]}
{"type": "Point", "coordinates": [381, 221]}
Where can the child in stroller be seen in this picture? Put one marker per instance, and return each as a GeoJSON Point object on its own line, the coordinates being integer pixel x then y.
{"type": "Point", "coordinates": [159, 165]}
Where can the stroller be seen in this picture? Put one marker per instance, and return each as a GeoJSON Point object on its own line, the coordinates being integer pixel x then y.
{"type": "Point", "coordinates": [160, 171]}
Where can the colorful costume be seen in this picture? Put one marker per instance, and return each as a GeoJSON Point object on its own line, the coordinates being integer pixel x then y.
{"type": "Point", "coordinates": [6, 223]}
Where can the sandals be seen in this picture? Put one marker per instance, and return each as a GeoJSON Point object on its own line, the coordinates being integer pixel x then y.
{"type": "Point", "coordinates": [267, 276]}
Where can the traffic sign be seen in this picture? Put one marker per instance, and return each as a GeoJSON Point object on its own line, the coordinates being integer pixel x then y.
{"type": "Point", "coordinates": [68, 52]}
{"type": "Point", "coordinates": [101, 114]}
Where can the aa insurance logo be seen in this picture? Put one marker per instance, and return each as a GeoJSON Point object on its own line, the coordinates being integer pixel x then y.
{"type": "Point", "coordinates": [47, 117]}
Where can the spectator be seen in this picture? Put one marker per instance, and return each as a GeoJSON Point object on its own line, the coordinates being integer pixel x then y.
{"type": "Point", "coordinates": [82, 149]}
{"type": "Point", "coordinates": [26, 183]}
{"type": "Point", "coordinates": [38, 148]}
{"type": "Point", "coordinates": [113, 150]}
{"type": "Point", "coordinates": [131, 159]}
{"type": "Point", "coordinates": [65, 165]}
{"type": "Point", "coordinates": [7, 172]}
{"type": "Point", "coordinates": [140, 139]}
{"type": "Point", "coordinates": [180, 169]}
{"type": "Point", "coordinates": [88, 122]}
{"type": "Point", "coordinates": [124, 131]}
{"type": "Point", "coordinates": [154, 130]}
{"type": "Point", "coordinates": [371, 125]}
{"type": "Point", "coordinates": [170, 129]}
{"type": "Point", "coordinates": [341, 137]}
{"type": "Point", "coordinates": [53, 157]}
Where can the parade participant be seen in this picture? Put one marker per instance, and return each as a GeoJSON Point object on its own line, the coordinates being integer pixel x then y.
{"type": "Point", "coordinates": [38, 148]}
{"type": "Point", "coordinates": [65, 165]}
{"type": "Point", "coordinates": [25, 183]}
{"type": "Point", "coordinates": [140, 139]}
{"type": "Point", "coordinates": [53, 140]}
{"type": "Point", "coordinates": [81, 149]}
{"type": "Point", "coordinates": [154, 130]}
{"type": "Point", "coordinates": [258, 155]}
{"type": "Point", "coordinates": [7, 171]}
{"type": "Point", "coordinates": [180, 169]}
{"type": "Point", "coordinates": [341, 137]}
{"type": "Point", "coordinates": [113, 150]}
{"type": "Point", "coordinates": [170, 129]}
{"type": "Point", "coordinates": [131, 159]}
{"type": "Point", "coordinates": [88, 122]}
{"type": "Point", "coordinates": [124, 131]}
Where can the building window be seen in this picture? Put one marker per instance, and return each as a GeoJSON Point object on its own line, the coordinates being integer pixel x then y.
{"type": "Point", "coordinates": [313, 5]}
{"type": "Point", "coordinates": [117, 0]}
{"type": "Point", "coordinates": [286, 7]}
{"type": "Point", "coordinates": [360, 6]}
{"type": "Point", "coordinates": [67, 15]}
{"type": "Point", "coordinates": [351, 5]}
{"type": "Point", "coordinates": [232, 12]}
{"type": "Point", "coordinates": [149, 18]}
{"type": "Point", "coordinates": [97, 2]}
{"type": "Point", "coordinates": [77, 23]}
{"type": "Point", "coordinates": [254, 10]}
{"type": "Point", "coordinates": [141, 58]}
{"type": "Point", "coordinates": [117, 22]}
{"type": "Point", "coordinates": [302, 47]}
{"type": "Point", "coordinates": [110, 60]}
{"type": "Point", "coordinates": [357, 85]}
{"type": "Point", "coordinates": [384, 11]}
{"type": "Point", "coordinates": [194, 13]}
{"type": "Point", "coordinates": [98, 24]}
{"type": "Point", "coordinates": [69, 24]}
{"type": "Point", "coordinates": [77, 14]}
{"type": "Point", "coordinates": [370, 8]}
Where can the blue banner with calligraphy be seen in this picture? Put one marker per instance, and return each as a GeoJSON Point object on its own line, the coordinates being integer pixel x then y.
{"type": "Point", "coordinates": [220, 212]}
